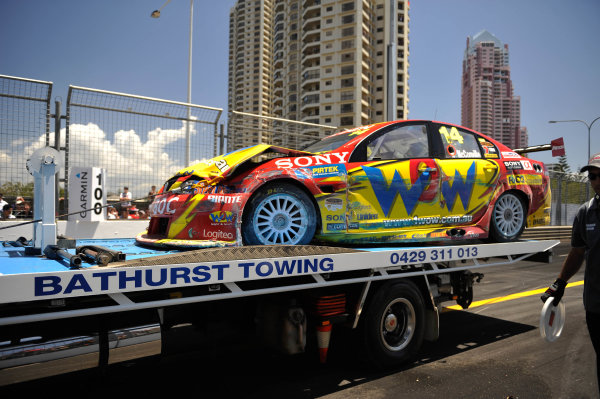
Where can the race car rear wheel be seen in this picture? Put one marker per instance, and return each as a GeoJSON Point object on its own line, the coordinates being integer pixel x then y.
{"type": "Point", "coordinates": [508, 218]}
{"type": "Point", "coordinates": [281, 214]}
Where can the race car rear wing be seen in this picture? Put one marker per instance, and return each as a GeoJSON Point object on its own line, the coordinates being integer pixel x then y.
{"type": "Point", "coordinates": [535, 148]}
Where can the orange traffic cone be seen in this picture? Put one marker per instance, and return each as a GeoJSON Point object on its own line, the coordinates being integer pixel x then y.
{"type": "Point", "coordinates": [323, 335]}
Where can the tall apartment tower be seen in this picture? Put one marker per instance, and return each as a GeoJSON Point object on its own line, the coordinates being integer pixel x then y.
{"type": "Point", "coordinates": [488, 103]}
{"type": "Point", "coordinates": [341, 63]}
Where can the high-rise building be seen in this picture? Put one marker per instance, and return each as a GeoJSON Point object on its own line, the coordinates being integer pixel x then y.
{"type": "Point", "coordinates": [488, 103]}
{"type": "Point", "coordinates": [341, 63]}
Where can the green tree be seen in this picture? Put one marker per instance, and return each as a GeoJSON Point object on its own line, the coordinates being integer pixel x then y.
{"type": "Point", "coordinates": [563, 164]}
{"type": "Point", "coordinates": [18, 189]}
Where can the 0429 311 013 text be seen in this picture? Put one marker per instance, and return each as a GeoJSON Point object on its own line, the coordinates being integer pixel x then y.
{"type": "Point", "coordinates": [434, 255]}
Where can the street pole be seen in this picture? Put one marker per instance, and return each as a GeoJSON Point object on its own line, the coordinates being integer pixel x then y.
{"type": "Point", "coordinates": [589, 127]}
{"type": "Point", "coordinates": [156, 14]}
{"type": "Point", "coordinates": [189, 93]}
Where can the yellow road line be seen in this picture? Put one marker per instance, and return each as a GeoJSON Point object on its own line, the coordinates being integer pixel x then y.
{"type": "Point", "coordinates": [508, 297]}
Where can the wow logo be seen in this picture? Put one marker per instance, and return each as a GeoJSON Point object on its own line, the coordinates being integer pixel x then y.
{"type": "Point", "coordinates": [463, 187]}
{"type": "Point", "coordinates": [386, 193]}
{"type": "Point", "coordinates": [222, 217]}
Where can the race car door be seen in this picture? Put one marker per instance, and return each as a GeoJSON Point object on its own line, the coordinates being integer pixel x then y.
{"type": "Point", "coordinates": [468, 175]}
{"type": "Point", "coordinates": [392, 179]}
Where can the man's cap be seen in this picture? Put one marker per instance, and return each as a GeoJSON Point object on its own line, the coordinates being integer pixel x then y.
{"type": "Point", "coordinates": [593, 163]}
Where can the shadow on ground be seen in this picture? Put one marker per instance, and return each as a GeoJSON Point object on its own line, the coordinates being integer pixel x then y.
{"type": "Point", "coordinates": [246, 372]}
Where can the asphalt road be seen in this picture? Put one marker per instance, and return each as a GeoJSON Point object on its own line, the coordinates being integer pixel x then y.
{"type": "Point", "coordinates": [492, 350]}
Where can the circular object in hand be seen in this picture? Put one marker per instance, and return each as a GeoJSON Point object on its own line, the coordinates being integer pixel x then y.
{"type": "Point", "coordinates": [552, 320]}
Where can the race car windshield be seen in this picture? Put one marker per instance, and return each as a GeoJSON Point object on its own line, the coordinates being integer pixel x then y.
{"type": "Point", "coordinates": [329, 143]}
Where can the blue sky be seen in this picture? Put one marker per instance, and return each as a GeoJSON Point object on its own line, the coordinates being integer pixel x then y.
{"type": "Point", "coordinates": [115, 45]}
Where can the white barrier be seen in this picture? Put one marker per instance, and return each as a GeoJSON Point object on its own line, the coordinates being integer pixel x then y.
{"type": "Point", "coordinates": [79, 230]}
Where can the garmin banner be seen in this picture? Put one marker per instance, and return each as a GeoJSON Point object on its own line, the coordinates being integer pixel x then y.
{"type": "Point", "coordinates": [87, 194]}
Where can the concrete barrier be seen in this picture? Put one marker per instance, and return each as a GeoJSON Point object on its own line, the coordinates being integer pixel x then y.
{"type": "Point", "coordinates": [547, 233]}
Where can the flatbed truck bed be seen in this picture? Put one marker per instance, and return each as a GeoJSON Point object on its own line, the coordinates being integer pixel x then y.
{"type": "Point", "coordinates": [287, 297]}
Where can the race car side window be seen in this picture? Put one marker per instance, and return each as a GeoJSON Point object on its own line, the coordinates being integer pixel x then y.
{"type": "Point", "coordinates": [401, 142]}
{"type": "Point", "coordinates": [459, 143]}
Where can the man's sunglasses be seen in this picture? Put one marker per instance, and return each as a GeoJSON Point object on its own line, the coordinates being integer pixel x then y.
{"type": "Point", "coordinates": [593, 176]}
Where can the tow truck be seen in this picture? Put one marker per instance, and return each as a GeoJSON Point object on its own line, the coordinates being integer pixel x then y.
{"type": "Point", "coordinates": [54, 308]}
{"type": "Point", "coordinates": [68, 304]}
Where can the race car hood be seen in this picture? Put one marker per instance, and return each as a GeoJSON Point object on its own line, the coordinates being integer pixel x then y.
{"type": "Point", "coordinates": [224, 165]}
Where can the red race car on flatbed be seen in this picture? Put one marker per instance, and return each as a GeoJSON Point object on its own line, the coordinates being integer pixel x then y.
{"type": "Point", "coordinates": [392, 182]}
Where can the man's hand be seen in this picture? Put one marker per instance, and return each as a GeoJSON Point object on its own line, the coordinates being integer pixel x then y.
{"type": "Point", "coordinates": [556, 290]}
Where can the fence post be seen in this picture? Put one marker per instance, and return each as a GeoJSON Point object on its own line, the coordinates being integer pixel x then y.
{"type": "Point", "coordinates": [559, 200]}
{"type": "Point", "coordinates": [221, 141]}
{"type": "Point", "coordinates": [57, 117]}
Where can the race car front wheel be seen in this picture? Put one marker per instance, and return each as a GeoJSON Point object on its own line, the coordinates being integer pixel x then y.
{"type": "Point", "coordinates": [281, 214]}
{"type": "Point", "coordinates": [508, 218]}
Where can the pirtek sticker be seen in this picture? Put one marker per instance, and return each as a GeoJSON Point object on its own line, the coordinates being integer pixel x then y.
{"type": "Point", "coordinates": [326, 171]}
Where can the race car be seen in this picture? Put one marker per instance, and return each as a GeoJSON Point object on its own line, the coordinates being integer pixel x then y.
{"type": "Point", "coordinates": [386, 183]}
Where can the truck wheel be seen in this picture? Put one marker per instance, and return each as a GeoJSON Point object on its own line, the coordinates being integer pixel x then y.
{"type": "Point", "coordinates": [281, 214]}
{"type": "Point", "coordinates": [394, 324]}
{"type": "Point", "coordinates": [508, 218]}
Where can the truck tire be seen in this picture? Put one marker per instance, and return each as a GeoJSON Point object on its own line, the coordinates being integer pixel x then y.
{"type": "Point", "coordinates": [279, 215]}
{"type": "Point", "coordinates": [394, 324]}
{"type": "Point", "coordinates": [509, 217]}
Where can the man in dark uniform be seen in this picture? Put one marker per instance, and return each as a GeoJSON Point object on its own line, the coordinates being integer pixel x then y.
{"type": "Point", "coordinates": [585, 244]}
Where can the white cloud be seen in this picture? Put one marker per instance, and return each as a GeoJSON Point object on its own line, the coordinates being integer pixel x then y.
{"type": "Point", "coordinates": [127, 159]}
{"type": "Point", "coordinates": [5, 158]}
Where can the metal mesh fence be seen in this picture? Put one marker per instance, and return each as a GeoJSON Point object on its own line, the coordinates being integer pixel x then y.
{"type": "Point", "coordinates": [139, 141]}
{"type": "Point", "coordinates": [245, 129]}
{"type": "Point", "coordinates": [569, 191]}
{"type": "Point", "coordinates": [24, 128]}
